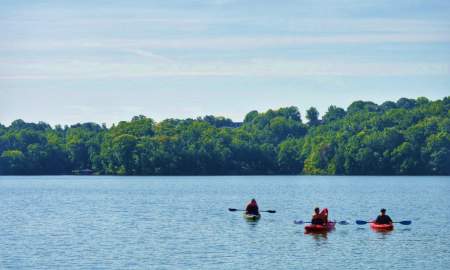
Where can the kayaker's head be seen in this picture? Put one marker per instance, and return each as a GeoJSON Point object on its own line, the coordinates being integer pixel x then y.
{"type": "Point", "coordinates": [383, 211]}
{"type": "Point", "coordinates": [253, 201]}
{"type": "Point", "coordinates": [317, 210]}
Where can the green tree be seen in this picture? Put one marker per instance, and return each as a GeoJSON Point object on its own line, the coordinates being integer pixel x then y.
{"type": "Point", "coordinates": [313, 116]}
{"type": "Point", "coordinates": [250, 116]}
{"type": "Point", "coordinates": [333, 114]}
{"type": "Point", "coordinates": [13, 162]}
{"type": "Point", "coordinates": [404, 137]}
{"type": "Point", "coordinates": [405, 159]}
{"type": "Point", "coordinates": [289, 158]}
{"type": "Point", "coordinates": [437, 153]}
{"type": "Point", "coordinates": [123, 150]}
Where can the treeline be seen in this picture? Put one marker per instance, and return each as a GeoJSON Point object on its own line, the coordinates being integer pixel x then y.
{"type": "Point", "coordinates": [407, 137]}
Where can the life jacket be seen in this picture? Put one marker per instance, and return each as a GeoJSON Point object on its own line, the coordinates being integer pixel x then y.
{"type": "Point", "coordinates": [317, 220]}
{"type": "Point", "coordinates": [321, 218]}
{"type": "Point", "coordinates": [324, 214]}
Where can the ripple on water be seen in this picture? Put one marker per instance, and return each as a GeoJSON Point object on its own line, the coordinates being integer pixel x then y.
{"type": "Point", "coordinates": [183, 223]}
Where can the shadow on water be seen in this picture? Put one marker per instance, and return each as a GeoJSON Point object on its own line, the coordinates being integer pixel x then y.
{"type": "Point", "coordinates": [252, 223]}
{"type": "Point", "coordinates": [382, 233]}
{"type": "Point", "coordinates": [318, 236]}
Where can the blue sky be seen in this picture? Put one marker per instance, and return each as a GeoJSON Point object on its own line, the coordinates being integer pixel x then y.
{"type": "Point", "coordinates": [105, 61]}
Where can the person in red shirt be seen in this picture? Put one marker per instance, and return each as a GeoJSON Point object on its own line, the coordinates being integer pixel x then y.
{"type": "Point", "coordinates": [252, 208]}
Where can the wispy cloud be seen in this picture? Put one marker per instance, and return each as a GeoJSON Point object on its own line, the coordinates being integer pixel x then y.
{"type": "Point", "coordinates": [137, 19]}
{"type": "Point", "coordinates": [258, 67]}
{"type": "Point", "coordinates": [148, 54]}
{"type": "Point", "coordinates": [222, 43]}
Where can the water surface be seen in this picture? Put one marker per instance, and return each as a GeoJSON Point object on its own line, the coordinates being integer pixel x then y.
{"type": "Point", "coordinates": [72, 222]}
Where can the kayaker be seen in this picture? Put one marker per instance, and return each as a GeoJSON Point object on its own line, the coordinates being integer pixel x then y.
{"type": "Point", "coordinates": [252, 208]}
{"type": "Point", "coordinates": [320, 217]}
{"type": "Point", "coordinates": [383, 218]}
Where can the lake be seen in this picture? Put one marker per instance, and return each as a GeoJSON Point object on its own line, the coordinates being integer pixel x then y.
{"type": "Point", "coordinates": [111, 222]}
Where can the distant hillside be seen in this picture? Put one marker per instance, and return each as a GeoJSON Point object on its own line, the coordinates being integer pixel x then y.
{"type": "Point", "coordinates": [407, 137]}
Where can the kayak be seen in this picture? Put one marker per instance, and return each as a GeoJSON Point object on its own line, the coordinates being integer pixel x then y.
{"type": "Point", "coordinates": [252, 217]}
{"type": "Point", "coordinates": [312, 228]}
{"type": "Point", "coordinates": [381, 227]}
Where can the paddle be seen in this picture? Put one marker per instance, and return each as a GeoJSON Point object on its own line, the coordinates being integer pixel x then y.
{"type": "Point", "coordinates": [267, 211]}
{"type": "Point", "coordinates": [404, 222]}
{"type": "Point", "coordinates": [343, 222]}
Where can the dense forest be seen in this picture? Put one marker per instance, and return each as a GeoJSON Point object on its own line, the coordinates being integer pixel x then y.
{"type": "Point", "coordinates": [407, 137]}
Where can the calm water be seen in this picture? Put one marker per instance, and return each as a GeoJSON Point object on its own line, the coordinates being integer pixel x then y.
{"type": "Point", "coordinates": [183, 223]}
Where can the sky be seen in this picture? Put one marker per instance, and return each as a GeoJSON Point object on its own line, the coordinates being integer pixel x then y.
{"type": "Point", "coordinates": [64, 62]}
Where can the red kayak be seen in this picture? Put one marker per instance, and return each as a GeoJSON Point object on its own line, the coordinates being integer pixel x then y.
{"type": "Point", "coordinates": [320, 228]}
{"type": "Point", "coordinates": [381, 227]}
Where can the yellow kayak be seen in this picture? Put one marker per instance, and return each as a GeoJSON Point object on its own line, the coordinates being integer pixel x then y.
{"type": "Point", "coordinates": [252, 217]}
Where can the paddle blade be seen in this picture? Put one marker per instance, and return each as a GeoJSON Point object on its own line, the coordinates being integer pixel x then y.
{"type": "Point", "coordinates": [361, 222]}
{"type": "Point", "coordinates": [232, 209]}
{"type": "Point", "coordinates": [299, 222]}
{"type": "Point", "coordinates": [271, 211]}
{"type": "Point", "coordinates": [405, 222]}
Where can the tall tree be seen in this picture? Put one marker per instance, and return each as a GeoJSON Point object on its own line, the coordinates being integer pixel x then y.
{"type": "Point", "coordinates": [312, 114]}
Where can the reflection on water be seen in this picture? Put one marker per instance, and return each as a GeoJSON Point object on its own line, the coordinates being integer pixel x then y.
{"type": "Point", "coordinates": [252, 223]}
{"type": "Point", "coordinates": [318, 236]}
{"type": "Point", "coordinates": [344, 232]}
{"type": "Point", "coordinates": [382, 233]}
